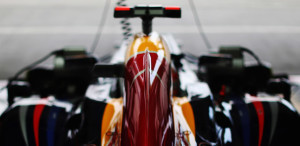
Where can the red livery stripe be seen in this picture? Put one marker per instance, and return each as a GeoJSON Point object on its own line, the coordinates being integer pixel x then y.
{"type": "Point", "coordinates": [261, 117]}
{"type": "Point", "coordinates": [36, 121]}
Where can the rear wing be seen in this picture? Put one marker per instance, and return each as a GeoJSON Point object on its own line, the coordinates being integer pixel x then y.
{"type": "Point", "coordinates": [147, 13]}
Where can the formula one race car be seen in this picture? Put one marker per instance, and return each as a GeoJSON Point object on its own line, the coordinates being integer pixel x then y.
{"type": "Point", "coordinates": [149, 93]}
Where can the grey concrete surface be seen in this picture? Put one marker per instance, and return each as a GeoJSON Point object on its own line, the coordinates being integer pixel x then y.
{"type": "Point", "coordinates": [32, 28]}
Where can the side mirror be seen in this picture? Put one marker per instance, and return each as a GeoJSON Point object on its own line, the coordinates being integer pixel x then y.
{"type": "Point", "coordinates": [109, 70]}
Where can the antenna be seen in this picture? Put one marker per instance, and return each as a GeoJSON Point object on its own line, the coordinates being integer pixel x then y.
{"type": "Point", "coordinates": [199, 26]}
{"type": "Point", "coordinates": [100, 26]}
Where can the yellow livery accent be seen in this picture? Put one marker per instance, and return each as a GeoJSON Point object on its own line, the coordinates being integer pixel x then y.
{"type": "Point", "coordinates": [112, 122]}
{"type": "Point", "coordinates": [189, 115]}
{"type": "Point", "coordinates": [151, 43]}
{"type": "Point", "coordinates": [187, 111]}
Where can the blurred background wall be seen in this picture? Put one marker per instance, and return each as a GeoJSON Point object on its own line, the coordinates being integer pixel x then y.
{"type": "Point", "coordinates": [29, 29]}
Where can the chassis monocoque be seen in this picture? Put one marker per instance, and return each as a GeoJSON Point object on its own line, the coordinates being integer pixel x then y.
{"type": "Point", "coordinates": [149, 93]}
